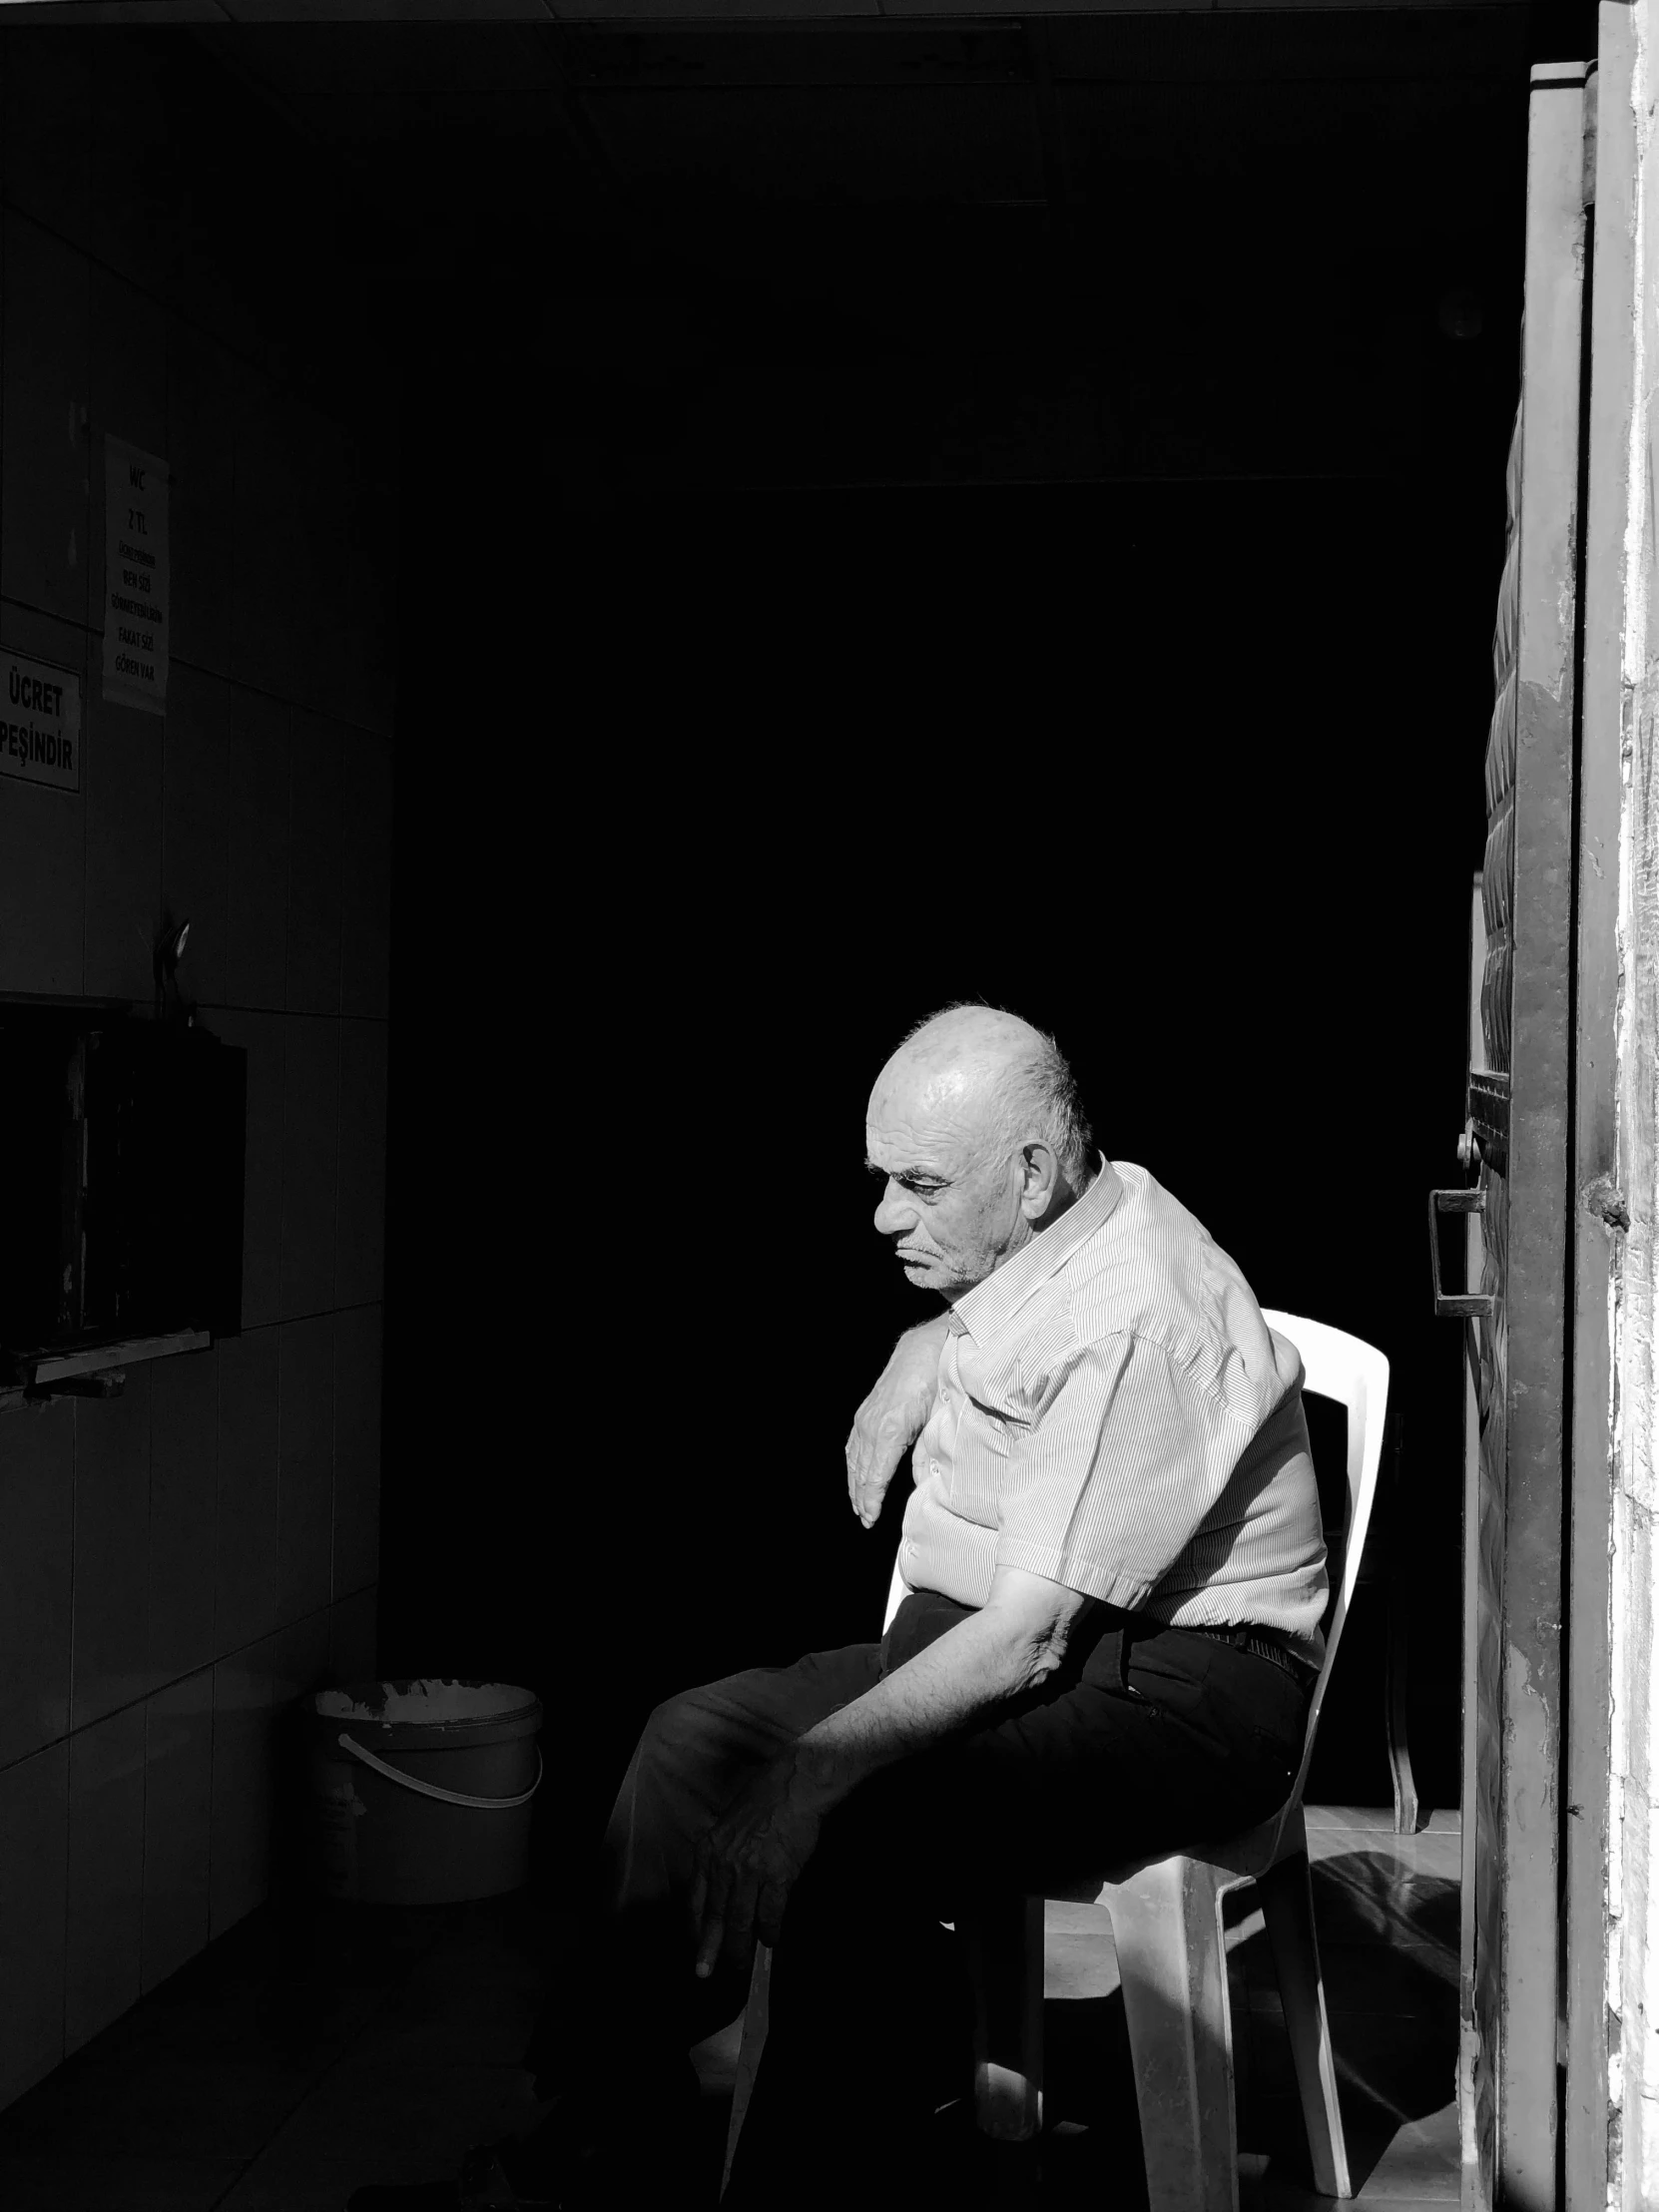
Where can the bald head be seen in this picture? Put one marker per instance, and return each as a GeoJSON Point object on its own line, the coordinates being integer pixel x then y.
{"type": "Point", "coordinates": [957, 1068]}
{"type": "Point", "coordinates": [977, 1125]}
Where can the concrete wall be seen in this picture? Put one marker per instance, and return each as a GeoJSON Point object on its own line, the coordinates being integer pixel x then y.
{"type": "Point", "coordinates": [179, 1563]}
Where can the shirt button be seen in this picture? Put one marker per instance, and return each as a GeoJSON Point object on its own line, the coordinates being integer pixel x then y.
{"type": "Point", "coordinates": [932, 1466]}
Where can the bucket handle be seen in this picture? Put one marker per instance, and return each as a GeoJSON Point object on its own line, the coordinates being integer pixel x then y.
{"type": "Point", "coordinates": [431, 1790]}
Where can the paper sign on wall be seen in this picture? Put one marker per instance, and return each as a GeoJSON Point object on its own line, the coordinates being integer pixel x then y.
{"type": "Point", "coordinates": [136, 595]}
{"type": "Point", "coordinates": [40, 722]}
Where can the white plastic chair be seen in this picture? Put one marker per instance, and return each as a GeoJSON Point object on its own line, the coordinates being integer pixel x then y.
{"type": "Point", "coordinates": [1166, 1921]}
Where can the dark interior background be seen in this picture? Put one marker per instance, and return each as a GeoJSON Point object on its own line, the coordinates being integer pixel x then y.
{"type": "Point", "coordinates": [897, 513]}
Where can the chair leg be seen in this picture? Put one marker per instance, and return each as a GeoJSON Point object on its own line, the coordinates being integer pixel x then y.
{"type": "Point", "coordinates": [1287, 1894]}
{"type": "Point", "coordinates": [749, 2051]}
{"type": "Point", "coordinates": [1004, 1936]}
{"type": "Point", "coordinates": [1407, 1812]}
{"type": "Point", "coordinates": [1166, 1923]}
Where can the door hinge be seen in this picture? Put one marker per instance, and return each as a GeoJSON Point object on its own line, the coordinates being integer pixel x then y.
{"type": "Point", "coordinates": [1488, 1115]}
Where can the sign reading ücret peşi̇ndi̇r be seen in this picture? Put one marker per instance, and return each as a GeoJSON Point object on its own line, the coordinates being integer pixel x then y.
{"type": "Point", "coordinates": [40, 722]}
{"type": "Point", "coordinates": [136, 590]}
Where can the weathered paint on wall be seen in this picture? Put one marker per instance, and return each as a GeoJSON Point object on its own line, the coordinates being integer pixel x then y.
{"type": "Point", "coordinates": [1628, 212]}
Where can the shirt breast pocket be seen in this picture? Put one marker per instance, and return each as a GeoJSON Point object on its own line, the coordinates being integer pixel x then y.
{"type": "Point", "coordinates": [979, 1467]}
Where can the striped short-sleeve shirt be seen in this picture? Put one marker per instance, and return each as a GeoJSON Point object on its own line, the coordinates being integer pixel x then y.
{"type": "Point", "coordinates": [1114, 1413]}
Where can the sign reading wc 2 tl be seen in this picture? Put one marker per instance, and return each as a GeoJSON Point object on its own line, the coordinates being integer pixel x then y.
{"type": "Point", "coordinates": [135, 594]}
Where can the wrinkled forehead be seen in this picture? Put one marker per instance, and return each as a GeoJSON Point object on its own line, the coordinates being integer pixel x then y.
{"type": "Point", "coordinates": [919, 1114]}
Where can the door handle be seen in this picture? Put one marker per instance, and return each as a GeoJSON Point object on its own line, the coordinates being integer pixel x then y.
{"type": "Point", "coordinates": [1456, 1304]}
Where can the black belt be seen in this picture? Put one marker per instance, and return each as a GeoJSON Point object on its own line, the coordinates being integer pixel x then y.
{"type": "Point", "coordinates": [1261, 1643]}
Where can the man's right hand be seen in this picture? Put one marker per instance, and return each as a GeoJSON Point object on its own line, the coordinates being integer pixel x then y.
{"type": "Point", "coordinates": [894, 1416]}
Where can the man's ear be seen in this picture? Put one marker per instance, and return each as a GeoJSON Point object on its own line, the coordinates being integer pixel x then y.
{"type": "Point", "coordinates": [1040, 1172]}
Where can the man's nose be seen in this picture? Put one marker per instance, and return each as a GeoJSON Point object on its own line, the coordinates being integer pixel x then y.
{"type": "Point", "coordinates": [896, 1212]}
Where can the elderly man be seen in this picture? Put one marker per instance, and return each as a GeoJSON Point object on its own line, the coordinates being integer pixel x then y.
{"type": "Point", "coordinates": [1115, 1578]}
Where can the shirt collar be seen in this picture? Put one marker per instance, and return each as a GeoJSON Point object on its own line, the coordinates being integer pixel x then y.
{"type": "Point", "coordinates": [983, 1309]}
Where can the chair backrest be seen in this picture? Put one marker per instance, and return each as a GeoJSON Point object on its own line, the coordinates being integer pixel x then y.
{"type": "Point", "coordinates": [896, 1594]}
{"type": "Point", "coordinates": [1356, 1374]}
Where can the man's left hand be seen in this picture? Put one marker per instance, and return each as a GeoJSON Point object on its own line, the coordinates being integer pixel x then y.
{"type": "Point", "coordinates": [747, 1864]}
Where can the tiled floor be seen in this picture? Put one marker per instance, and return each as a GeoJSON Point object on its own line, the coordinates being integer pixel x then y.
{"type": "Point", "coordinates": [1387, 1911]}
{"type": "Point", "coordinates": [311, 2051]}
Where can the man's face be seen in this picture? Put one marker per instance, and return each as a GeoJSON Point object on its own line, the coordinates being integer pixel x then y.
{"type": "Point", "coordinates": [949, 1204]}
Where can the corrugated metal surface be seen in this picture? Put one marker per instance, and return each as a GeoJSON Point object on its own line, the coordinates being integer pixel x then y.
{"type": "Point", "coordinates": [1484, 1782]}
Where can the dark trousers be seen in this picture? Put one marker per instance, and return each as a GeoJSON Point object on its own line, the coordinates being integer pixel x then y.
{"type": "Point", "coordinates": [1148, 1738]}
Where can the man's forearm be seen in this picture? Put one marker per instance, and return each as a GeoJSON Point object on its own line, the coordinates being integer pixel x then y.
{"type": "Point", "coordinates": [983, 1661]}
{"type": "Point", "coordinates": [750, 1858]}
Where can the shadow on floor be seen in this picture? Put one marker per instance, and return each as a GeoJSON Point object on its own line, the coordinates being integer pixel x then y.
{"type": "Point", "coordinates": [307, 2050]}
{"type": "Point", "coordinates": [315, 2049]}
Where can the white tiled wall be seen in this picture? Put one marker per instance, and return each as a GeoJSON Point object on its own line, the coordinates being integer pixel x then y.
{"type": "Point", "coordinates": [178, 1565]}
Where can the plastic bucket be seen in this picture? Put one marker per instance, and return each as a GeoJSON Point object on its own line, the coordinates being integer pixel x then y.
{"type": "Point", "coordinates": [421, 1792]}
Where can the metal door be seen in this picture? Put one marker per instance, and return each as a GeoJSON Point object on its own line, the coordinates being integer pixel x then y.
{"type": "Point", "coordinates": [1516, 1139]}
